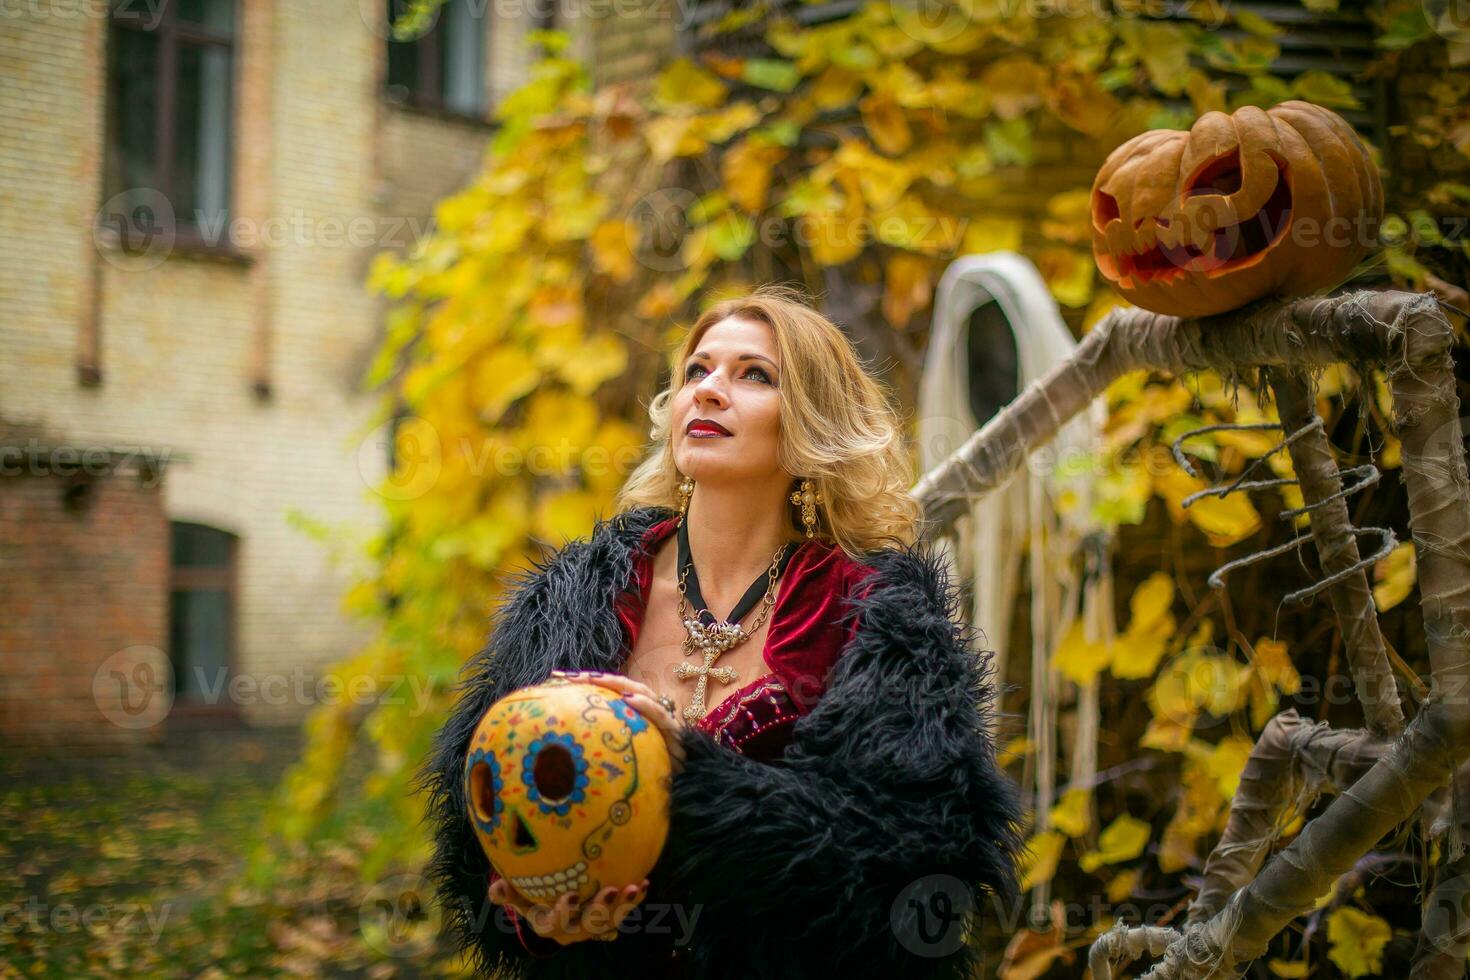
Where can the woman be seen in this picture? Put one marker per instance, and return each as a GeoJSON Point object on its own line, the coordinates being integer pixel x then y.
{"type": "Point", "coordinates": [835, 803]}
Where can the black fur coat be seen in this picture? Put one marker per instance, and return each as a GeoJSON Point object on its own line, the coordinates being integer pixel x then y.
{"type": "Point", "coordinates": [858, 854]}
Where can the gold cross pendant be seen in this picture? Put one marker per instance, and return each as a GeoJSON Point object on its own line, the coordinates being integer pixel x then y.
{"type": "Point", "coordinates": [712, 641]}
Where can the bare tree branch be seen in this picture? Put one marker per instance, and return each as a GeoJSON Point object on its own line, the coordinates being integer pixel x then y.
{"type": "Point", "coordinates": [1408, 334]}
{"type": "Point", "coordinates": [1337, 547]}
{"type": "Point", "coordinates": [1293, 762]}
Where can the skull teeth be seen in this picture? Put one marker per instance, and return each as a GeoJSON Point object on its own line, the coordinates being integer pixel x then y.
{"type": "Point", "coordinates": [551, 886]}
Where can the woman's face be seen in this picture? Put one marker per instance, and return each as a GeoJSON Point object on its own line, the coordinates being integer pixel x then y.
{"type": "Point", "coordinates": [730, 380]}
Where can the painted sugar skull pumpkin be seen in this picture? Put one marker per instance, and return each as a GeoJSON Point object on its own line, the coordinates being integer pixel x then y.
{"type": "Point", "coordinates": [1260, 202]}
{"type": "Point", "coordinates": [568, 790]}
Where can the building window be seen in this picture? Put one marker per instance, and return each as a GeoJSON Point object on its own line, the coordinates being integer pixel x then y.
{"type": "Point", "coordinates": [442, 65]}
{"type": "Point", "coordinates": [201, 627]}
{"type": "Point", "coordinates": [170, 67]}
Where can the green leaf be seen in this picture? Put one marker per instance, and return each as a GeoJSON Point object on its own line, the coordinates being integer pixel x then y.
{"type": "Point", "coordinates": [771, 73]}
{"type": "Point", "coordinates": [1325, 89]}
{"type": "Point", "coordinates": [1406, 30]}
{"type": "Point", "coordinates": [1009, 142]}
{"type": "Point", "coordinates": [783, 132]}
{"type": "Point", "coordinates": [1251, 21]}
{"type": "Point", "coordinates": [1394, 230]}
{"type": "Point", "coordinates": [1425, 228]}
{"type": "Point", "coordinates": [1404, 267]}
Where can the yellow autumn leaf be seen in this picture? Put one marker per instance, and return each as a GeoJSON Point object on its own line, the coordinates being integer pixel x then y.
{"type": "Point", "coordinates": [1069, 274]}
{"type": "Point", "coordinates": [672, 136]}
{"type": "Point", "coordinates": [1197, 813]}
{"type": "Point", "coordinates": [1394, 576]}
{"type": "Point", "coordinates": [887, 124]}
{"type": "Point", "coordinates": [1014, 85]}
{"type": "Point", "coordinates": [836, 236]}
{"type": "Point", "coordinates": [746, 171]}
{"type": "Point", "coordinates": [1123, 840]}
{"type": "Point", "coordinates": [565, 516]}
{"type": "Point", "coordinates": [880, 180]}
{"type": "Point", "coordinates": [1356, 940]}
{"type": "Point", "coordinates": [913, 225]}
{"type": "Point", "coordinates": [1137, 652]}
{"type": "Point", "coordinates": [1013, 751]}
{"type": "Point", "coordinates": [1273, 664]}
{"type": "Point", "coordinates": [1080, 100]}
{"type": "Point", "coordinates": [501, 377]}
{"type": "Point", "coordinates": [598, 358]}
{"type": "Point", "coordinates": [685, 83]}
{"type": "Point", "coordinates": [720, 125]}
{"type": "Point", "coordinates": [1121, 887]}
{"type": "Point", "coordinates": [1223, 520]}
{"type": "Point", "coordinates": [907, 287]}
{"type": "Point", "coordinates": [1073, 815]}
{"type": "Point", "coordinates": [835, 88]}
{"type": "Point", "coordinates": [1288, 969]}
{"type": "Point", "coordinates": [615, 450]}
{"type": "Point", "coordinates": [1043, 852]}
{"type": "Point", "coordinates": [560, 425]}
{"type": "Point", "coordinates": [1103, 302]}
{"type": "Point", "coordinates": [987, 234]}
{"type": "Point", "coordinates": [611, 248]}
{"type": "Point", "coordinates": [1168, 733]}
{"type": "Point", "coordinates": [1150, 602]}
{"type": "Point", "coordinates": [1080, 661]}
{"type": "Point", "coordinates": [1068, 217]}
{"type": "Point", "coordinates": [1391, 456]}
{"type": "Point", "coordinates": [1228, 760]}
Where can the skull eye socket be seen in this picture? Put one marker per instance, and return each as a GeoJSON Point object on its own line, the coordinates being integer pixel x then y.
{"type": "Point", "coordinates": [1220, 176]}
{"type": "Point", "coordinates": [1104, 209]}
{"type": "Point", "coordinates": [482, 792]}
{"type": "Point", "coordinates": [554, 773]}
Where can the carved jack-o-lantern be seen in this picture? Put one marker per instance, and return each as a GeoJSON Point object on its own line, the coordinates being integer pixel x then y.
{"type": "Point", "coordinates": [568, 790]}
{"type": "Point", "coordinates": [1275, 202]}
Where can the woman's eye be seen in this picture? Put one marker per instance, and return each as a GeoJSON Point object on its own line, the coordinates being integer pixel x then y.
{"type": "Point", "coordinates": [765, 377]}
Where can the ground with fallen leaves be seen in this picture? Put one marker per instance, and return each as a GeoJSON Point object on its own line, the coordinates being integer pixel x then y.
{"type": "Point", "coordinates": [136, 866]}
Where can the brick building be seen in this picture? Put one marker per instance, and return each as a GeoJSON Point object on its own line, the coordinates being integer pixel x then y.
{"type": "Point", "coordinates": [190, 194]}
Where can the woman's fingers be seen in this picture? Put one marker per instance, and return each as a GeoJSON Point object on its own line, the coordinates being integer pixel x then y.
{"type": "Point", "coordinates": [643, 700]}
{"type": "Point", "coordinates": [618, 682]}
{"type": "Point", "coordinates": [502, 894]}
{"type": "Point", "coordinates": [667, 723]}
{"type": "Point", "coordinates": [630, 898]}
{"type": "Point", "coordinates": [609, 908]}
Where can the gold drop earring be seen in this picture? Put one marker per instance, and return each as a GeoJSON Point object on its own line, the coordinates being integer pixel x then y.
{"type": "Point", "coordinates": [808, 497]}
{"type": "Point", "coordinates": [685, 490]}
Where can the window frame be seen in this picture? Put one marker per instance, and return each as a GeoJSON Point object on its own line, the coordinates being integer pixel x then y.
{"type": "Point", "coordinates": [172, 32]}
{"type": "Point", "coordinates": [427, 93]}
{"type": "Point", "coordinates": [226, 578]}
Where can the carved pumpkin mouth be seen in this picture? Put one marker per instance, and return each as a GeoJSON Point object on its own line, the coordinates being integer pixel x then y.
{"type": "Point", "coordinates": [1231, 246]}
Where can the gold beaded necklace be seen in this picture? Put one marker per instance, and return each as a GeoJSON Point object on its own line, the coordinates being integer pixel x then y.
{"type": "Point", "coordinates": [710, 637]}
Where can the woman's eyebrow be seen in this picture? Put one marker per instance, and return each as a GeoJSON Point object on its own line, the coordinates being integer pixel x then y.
{"type": "Point", "coordinates": [742, 357]}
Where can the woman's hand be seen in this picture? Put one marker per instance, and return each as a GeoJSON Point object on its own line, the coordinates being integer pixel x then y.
{"type": "Point", "coordinates": [644, 701]}
{"type": "Point", "coordinates": [567, 921]}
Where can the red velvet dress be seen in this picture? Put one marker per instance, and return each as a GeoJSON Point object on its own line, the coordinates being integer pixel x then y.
{"type": "Point", "coordinates": [802, 643]}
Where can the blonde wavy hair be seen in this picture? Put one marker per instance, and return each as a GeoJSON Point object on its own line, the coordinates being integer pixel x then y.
{"type": "Point", "coordinates": [837, 428]}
